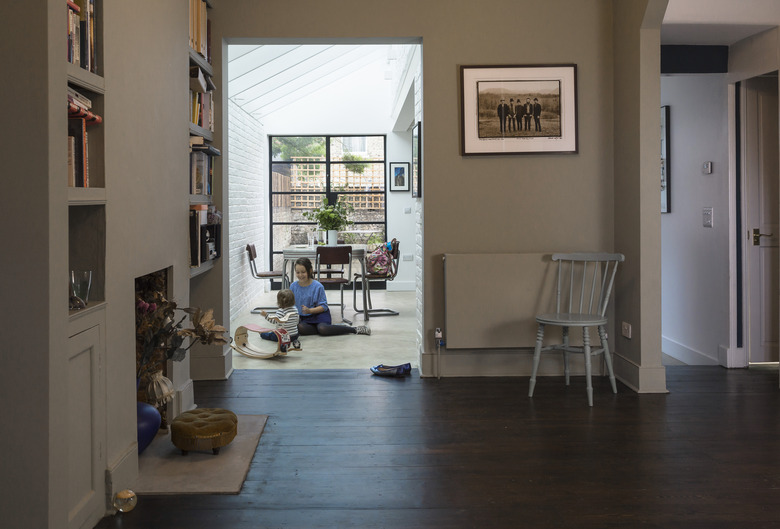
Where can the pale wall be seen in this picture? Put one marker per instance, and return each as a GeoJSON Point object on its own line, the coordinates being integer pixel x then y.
{"type": "Point", "coordinates": [540, 202]}
{"type": "Point", "coordinates": [695, 259]}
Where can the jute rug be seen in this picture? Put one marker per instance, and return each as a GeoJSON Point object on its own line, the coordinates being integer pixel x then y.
{"type": "Point", "coordinates": [162, 469]}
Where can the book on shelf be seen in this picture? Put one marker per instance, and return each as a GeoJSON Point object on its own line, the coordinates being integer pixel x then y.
{"type": "Point", "coordinates": [77, 129]}
{"type": "Point", "coordinates": [198, 218]}
{"type": "Point", "coordinates": [197, 140]}
{"type": "Point", "coordinates": [199, 28]}
{"type": "Point", "coordinates": [208, 40]}
{"type": "Point", "coordinates": [74, 33]}
{"type": "Point", "coordinates": [200, 173]}
{"type": "Point", "coordinates": [194, 239]}
{"type": "Point", "coordinates": [75, 111]}
{"type": "Point", "coordinates": [207, 148]}
{"type": "Point", "coordinates": [76, 97]}
{"type": "Point", "coordinates": [86, 14]}
{"type": "Point", "coordinates": [86, 158]}
{"type": "Point", "coordinates": [197, 80]}
{"type": "Point", "coordinates": [71, 161]}
{"type": "Point", "coordinates": [202, 109]}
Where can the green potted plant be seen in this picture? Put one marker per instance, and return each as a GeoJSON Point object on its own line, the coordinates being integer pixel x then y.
{"type": "Point", "coordinates": [331, 218]}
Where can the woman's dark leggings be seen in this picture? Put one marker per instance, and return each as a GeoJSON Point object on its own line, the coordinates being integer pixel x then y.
{"type": "Point", "coordinates": [324, 329]}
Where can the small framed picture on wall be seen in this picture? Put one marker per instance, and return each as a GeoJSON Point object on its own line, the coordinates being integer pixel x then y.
{"type": "Point", "coordinates": [399, 176]}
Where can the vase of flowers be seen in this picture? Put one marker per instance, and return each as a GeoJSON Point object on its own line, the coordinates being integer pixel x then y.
{"type": "Point", "coordinates": [160, 334]}
{"type": "Point", "coordinates": [331, 218]}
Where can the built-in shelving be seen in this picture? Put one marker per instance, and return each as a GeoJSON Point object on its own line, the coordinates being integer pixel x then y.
{"type": "Point", "coordinates": [86, 197]}
{"type": "Point", "coordinates": [202, 152]}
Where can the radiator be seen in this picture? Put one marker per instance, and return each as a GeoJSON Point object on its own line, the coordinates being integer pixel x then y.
{"type": "Point", "coordinates": [491, 300]}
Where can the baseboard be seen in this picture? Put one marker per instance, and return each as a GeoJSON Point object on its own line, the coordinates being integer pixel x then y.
{"type": "Point", "coordinates": [642, 379]}
{"type": "Point", "coordinates": [185, 399]}
{"type": "Point", "coordinates": [685, 354]}
{"type": "Point", "coordinates": [121, 473]}
{"type": "Point", "coordinates": [732, 358]}
{"type": "Point", "coordinates": [500, 363]}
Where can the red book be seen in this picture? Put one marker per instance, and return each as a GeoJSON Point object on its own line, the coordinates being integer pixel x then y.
{"type": "Point", "coordinates": [75, 111]}
{"type": "Point", "coordinates": [77, 128]}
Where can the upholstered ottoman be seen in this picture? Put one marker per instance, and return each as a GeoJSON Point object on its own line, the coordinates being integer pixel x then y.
{"type": "Point", "coordinates": [203, 429]}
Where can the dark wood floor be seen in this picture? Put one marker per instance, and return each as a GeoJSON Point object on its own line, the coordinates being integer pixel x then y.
{"type": "Point", "coordinates": [344, 449]}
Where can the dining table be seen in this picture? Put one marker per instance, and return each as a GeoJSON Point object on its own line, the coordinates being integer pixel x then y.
{"type": "Point", "coordinates": [292, 253]}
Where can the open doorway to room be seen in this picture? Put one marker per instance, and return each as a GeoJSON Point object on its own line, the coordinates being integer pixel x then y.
{"type": "Point", "coordinates": [353, 92]}
{"type": "Point", "coordinates": [719, 291]}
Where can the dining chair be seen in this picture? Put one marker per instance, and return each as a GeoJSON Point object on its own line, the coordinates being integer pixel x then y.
{"type": "Point", "coordinates": [333, 266]}
{"type": "Point", "coordinates": [269, 274]}
{"type": "Point", "coordinates": [583, 287]}
{"type": "Point", "coordinates": [366, 278]}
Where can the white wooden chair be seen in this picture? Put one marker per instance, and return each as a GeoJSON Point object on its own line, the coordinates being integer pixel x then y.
{"type": "Point", "coordinates": [583, 287]}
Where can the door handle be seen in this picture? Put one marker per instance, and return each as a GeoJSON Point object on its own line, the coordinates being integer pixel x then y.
{"type": "Point", "coordinates": [757, 236]}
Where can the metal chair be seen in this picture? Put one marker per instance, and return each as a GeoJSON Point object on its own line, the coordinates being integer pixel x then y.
{"type": "Point", "coordinates": [389, 276]}
{"type": "Point", "coordinates": [583, 287]}
{"type": "Point", "coordinates": [333, 266]}
{"type": "Point", "coordinates": [270, 274]}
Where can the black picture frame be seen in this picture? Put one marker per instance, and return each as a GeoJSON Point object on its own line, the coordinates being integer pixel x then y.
{"type": "Point", "coordinates": [547, 116]}
{"type": "Point", "coordinates": [417, 160]}
{"type": "Point", "coordinates": [398, 176]}
{"type": "Point", "coordinates": [666, 190]}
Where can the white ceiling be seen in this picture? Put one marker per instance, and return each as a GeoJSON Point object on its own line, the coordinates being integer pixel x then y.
{"type": "Point", "coordinates": [266, 78]}
{"type": "Point", "coordinates": [717, 22]}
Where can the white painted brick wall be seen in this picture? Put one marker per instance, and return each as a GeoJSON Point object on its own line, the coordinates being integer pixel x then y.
{"type": "Point", "coordinates": [418, 212]}
{"type": "Point", "coordinates": [247, 166]}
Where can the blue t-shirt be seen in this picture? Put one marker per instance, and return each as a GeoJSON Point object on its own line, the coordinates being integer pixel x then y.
{"type": "Point", "coordinates": [312, 296]}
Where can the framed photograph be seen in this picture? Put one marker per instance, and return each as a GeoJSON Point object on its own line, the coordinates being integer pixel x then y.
{"type": "Point", "coordinates": [399, 176]}
{"type": "Point", "coordinates": [666, 196]}
{"type": "Point", "coordinates": [518, 109]}
{"type": "Point", "coordinates": [417, 160]}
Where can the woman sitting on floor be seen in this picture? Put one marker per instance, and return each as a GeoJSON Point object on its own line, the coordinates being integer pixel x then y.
{"type": "Point", "coordinates": [312, 305]}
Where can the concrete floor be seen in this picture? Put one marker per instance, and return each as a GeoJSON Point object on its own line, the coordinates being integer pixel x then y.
{"type": "Point", "coordinates": [392, 340]}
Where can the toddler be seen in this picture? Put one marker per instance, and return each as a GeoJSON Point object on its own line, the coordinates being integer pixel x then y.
{"type": "Point", "coordinates": [286, 317]}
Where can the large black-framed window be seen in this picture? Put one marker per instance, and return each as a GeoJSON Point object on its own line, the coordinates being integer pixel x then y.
{"type": "Point", "coordinates": [306, 168]}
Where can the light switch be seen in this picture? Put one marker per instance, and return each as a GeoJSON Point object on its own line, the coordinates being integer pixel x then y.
{"type": "Point", "coordinates": [706, 215]}
{"type": "Point", "coordinates": [706, 168]}
{"type": "Point", "coordinates": [408, 211]}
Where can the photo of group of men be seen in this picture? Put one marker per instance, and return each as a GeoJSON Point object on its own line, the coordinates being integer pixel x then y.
{"type": "Point", "coordinates": [514, 117]}
{"type": "Point", "coordinates": [519, 109]}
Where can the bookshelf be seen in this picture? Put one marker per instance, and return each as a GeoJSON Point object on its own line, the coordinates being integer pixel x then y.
{"type": "Point", "coordinates": [85, 181]}
{"type": "Point", "coordinates": [86, 173]}
{"type": "Point", "coordinates": [204, 220]}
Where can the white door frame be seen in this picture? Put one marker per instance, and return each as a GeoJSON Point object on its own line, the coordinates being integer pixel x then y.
{"type": "Point", "coordinates": [735, 356]}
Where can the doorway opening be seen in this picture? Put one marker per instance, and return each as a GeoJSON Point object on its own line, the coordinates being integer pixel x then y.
{"type": "Point", "coordinates": [349, 90]}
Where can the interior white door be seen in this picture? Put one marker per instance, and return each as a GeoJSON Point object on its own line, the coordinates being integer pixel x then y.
{"type": "Point", "coordinates": [761, 215]}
